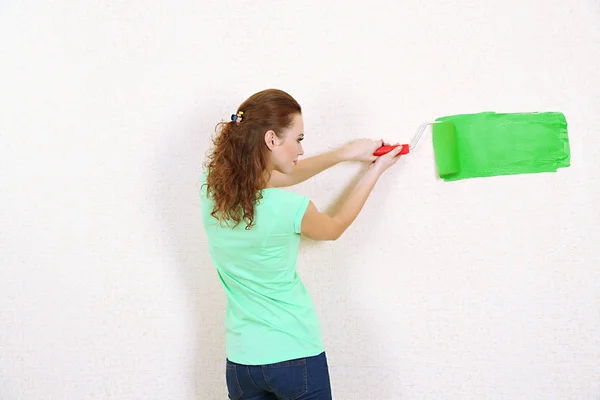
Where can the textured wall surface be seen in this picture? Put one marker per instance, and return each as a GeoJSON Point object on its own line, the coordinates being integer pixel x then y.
{"type": "Point", "coordinates": [478, 289]}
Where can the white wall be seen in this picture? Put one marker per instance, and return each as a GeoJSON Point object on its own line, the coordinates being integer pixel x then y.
{"type": "Point", "coordinates": [438, 291]}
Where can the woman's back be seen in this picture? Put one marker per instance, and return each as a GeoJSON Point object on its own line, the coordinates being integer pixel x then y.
{"type": "Point", "coordinates": [270, 316]}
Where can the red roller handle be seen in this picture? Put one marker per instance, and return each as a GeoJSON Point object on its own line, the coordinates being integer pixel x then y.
{"type": "Point", "coordinates": [386, 149]}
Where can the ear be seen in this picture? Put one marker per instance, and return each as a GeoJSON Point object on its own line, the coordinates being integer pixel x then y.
{"type": "Point", "coordinates": [271, 139]}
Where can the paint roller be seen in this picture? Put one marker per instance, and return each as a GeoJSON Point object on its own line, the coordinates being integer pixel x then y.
{"type": "Point", "coordinates": [444, 146]}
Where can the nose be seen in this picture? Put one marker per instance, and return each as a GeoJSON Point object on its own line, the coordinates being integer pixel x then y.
{"type": "Point", "coordinates": [300, 149]}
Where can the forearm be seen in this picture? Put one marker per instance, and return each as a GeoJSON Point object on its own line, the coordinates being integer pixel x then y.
{"type": "Point", "coordinates": [356, 200]}
{"type": "Point", "coordinates": [309, 167]}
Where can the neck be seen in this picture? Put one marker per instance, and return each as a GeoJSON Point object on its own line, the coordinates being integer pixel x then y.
{"type": "Point", "coordinates": [267, 177]}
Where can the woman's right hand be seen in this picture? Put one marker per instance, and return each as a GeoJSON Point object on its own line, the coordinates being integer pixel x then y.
{"type": "Point", "coordinates": [383, 162]}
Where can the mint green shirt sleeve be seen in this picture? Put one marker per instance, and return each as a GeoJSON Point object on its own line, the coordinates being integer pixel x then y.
{"type": "Point", "coordinates": [303, 202]}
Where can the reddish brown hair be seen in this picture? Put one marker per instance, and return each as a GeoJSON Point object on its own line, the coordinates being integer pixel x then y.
{"type": "Point", "coordinates": [238, 160]}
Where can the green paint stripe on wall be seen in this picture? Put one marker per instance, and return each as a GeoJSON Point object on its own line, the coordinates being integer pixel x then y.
{"type": "Point", "coordinates": [492, 144]}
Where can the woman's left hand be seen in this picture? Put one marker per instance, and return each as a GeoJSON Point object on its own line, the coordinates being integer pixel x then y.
{"type": "Point", "coordinates": [360, 150]}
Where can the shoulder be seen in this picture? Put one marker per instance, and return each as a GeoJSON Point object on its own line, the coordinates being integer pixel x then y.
{"type": "Point", "coordinates": [286, 206]}
{"type": "Point", "coordinates": [285, 197]}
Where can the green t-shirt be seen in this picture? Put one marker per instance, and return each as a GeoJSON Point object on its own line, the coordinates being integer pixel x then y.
{"type": "Point", "coordinates": [270, 316]}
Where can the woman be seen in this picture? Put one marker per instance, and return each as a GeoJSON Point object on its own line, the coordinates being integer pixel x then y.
{"type": "Point", "coordinates": [273, 337]}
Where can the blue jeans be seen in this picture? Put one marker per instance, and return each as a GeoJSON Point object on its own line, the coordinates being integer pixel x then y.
{"type": "Point", "coordinates": [300, 379]}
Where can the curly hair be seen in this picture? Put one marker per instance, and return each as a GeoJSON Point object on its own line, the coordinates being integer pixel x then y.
{"type": "Point", "coordinates": [237, 163]}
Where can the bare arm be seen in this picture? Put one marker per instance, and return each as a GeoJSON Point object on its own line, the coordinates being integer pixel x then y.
{"type": "Point", "coordinates": [320, 226]}
{"type": "Point", "coordinates": [307, 168]}
{"type": "Point", "coordinates": [356, 150]}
